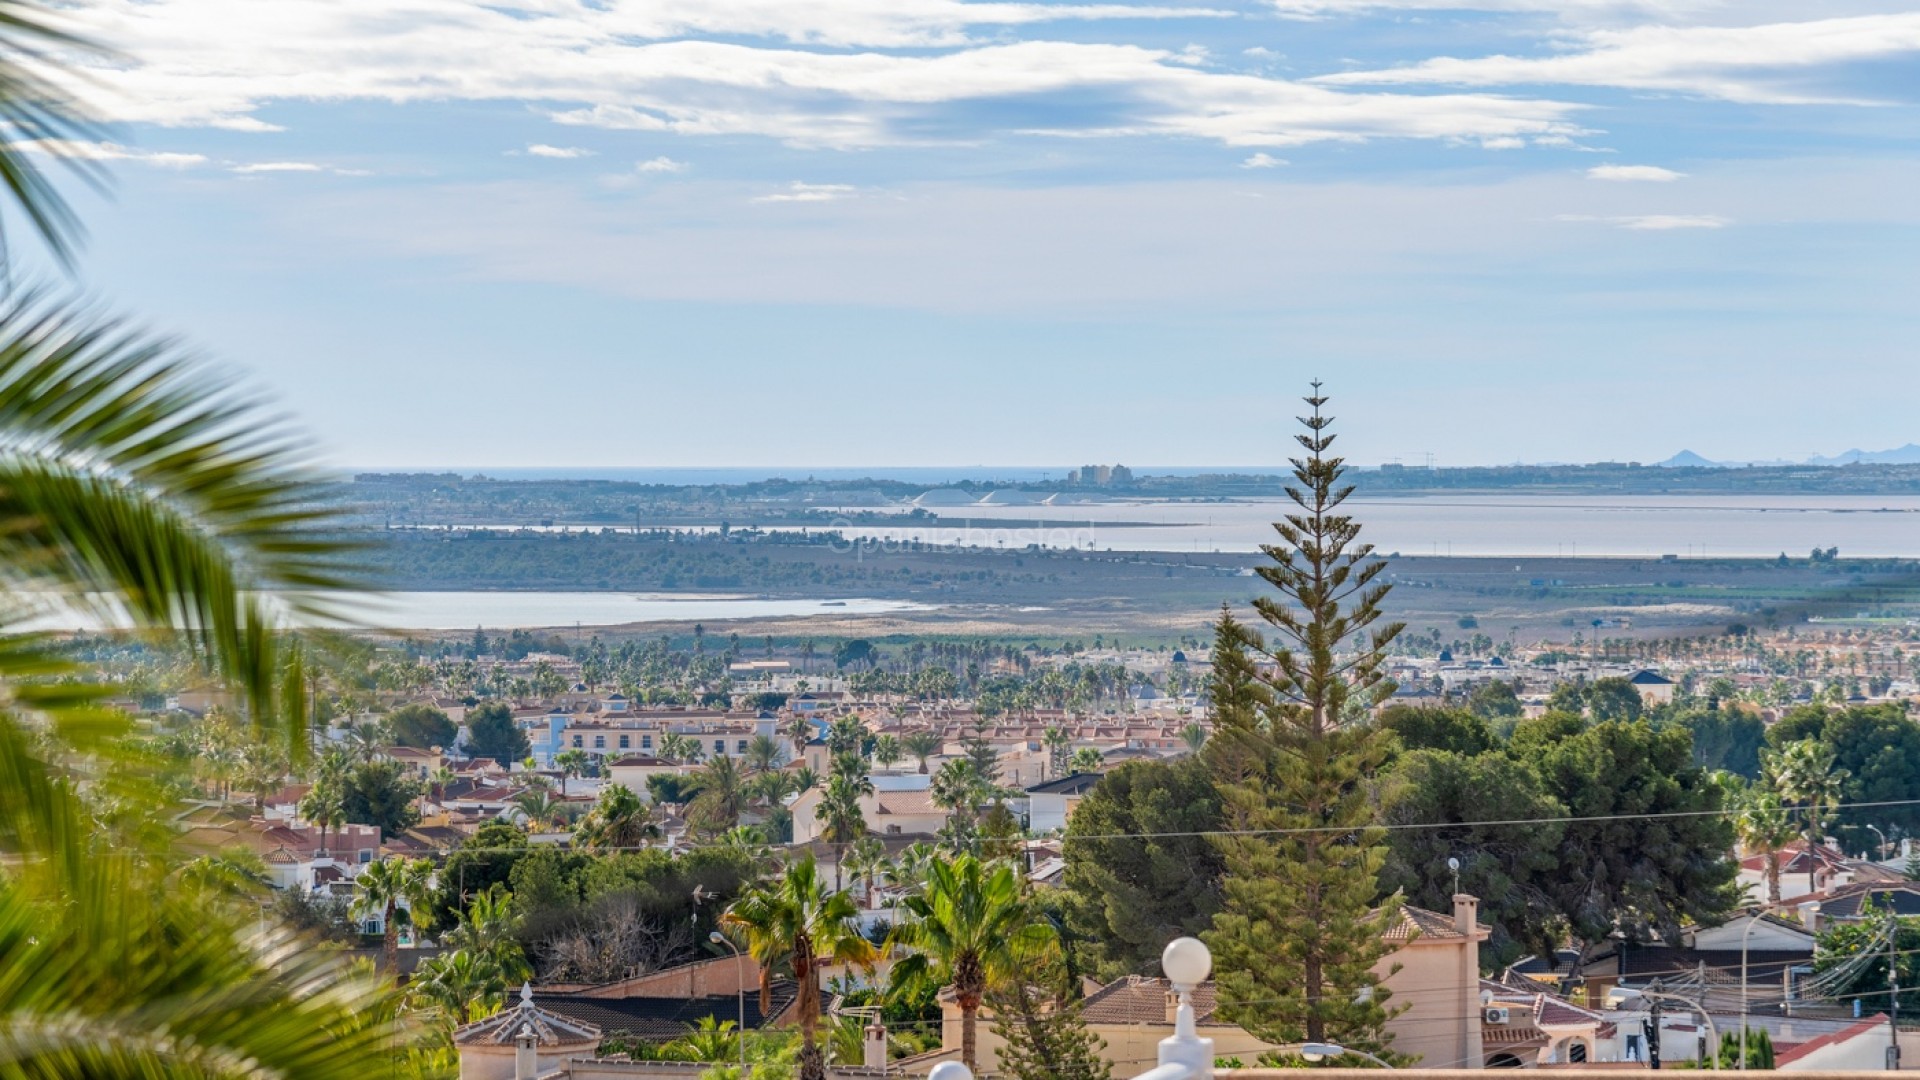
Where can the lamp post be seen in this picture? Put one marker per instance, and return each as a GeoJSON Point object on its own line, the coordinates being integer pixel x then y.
{"type": "Point", "coordinates": [1317, 1051]}
{"type": "Point", "coordinates": [1187, 962]}
{"type": "Point", "coordinates": [1811, 909]}
{"type": "Point", "coordinates": [950, 1070]}
{"type": "Point", "coordinates": [740, 992]}
{"type": "Point", "coordinates": [1881, 851]}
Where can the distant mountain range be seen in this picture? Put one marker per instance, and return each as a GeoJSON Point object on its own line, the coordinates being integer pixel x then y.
{"type": "Point", "coordinates": [1900, 455]}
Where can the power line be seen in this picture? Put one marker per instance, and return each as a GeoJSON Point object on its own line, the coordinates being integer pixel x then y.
{"type": "Point", "coordinates": [1578, 819]}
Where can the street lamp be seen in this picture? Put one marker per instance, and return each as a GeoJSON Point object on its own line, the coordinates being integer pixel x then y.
{"type": "Point", "coordinates": [740, 992]}
{"type": "Point", "coordinates": [1187, 962]}
{"type": "Point", "coordinates": [950, 1070]}
{"type": "Point", "coordinates": [1320, 1051]}
{"type": "Point", "coordinates": [1881, 851]}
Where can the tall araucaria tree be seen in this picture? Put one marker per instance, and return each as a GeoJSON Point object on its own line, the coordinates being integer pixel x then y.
{"type": "Point", "coordinates": [1292, 757]}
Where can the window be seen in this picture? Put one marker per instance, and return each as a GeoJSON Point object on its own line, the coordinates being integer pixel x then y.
{"type": "Point", "coordinates": [579, 741]}
{"type": "Point", "coordinates": [720, 746]}
{"type": "Point", "coordinates": [366, 856]}
{"type": "Point", "coordinates": [599, 742]}
{"type": "Point", "coordinates": [740, 747]}
{"type": "Point", "coordinates": [646, 742]}
{"type": "Point", "coordinates": [626, 741]}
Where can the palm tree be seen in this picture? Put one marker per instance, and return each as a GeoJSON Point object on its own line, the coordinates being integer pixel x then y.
{"type": "Point", "coordinates": [673, 747]}
{"type": "Point", "coordinates": [846, 735]}
{"type": "Point", "coordinates": [793, 926]}
{"type": "Point", "coordinates": [867, 861]}
{"type": "Point", "coordinates": [537, 808]}
{"type": "Point", "coordinates": [765, 754]}
{"type": "Point", "coordinates": [1059, 746]}
{"type": "Point", "coordinates": [619, 821]}
{"type": "Point", "coordinates": [723, 795]}
{"type": "Point", "coordinates": [887, 750]}
{"type": "Point", "coordinates": [1764, 824]}
{"type": "Point", "coordinates": [462, 986]}
{"type": "Point", "coordinates": [571, 763]}
{"type": "Point", "coordinates": [491, 927]}
{"type": "Point", "coordinates": [366, 739]}
{"type": "Point", "coordinates": [1088, 759]}
{"type": "Point", "coordinates": [799, 731]}
{"type": "Point", "coordinates": [922, 745]}
{"type": "Point", "coordinates": [1803, 773]}
{"type": "Point", "coordinates": [972, 928]}
{"type": "Point", "coordinates": [841, 819]}
{"type": "Point", "coordinates": [382, 887]}
{"type": "Point", "coordinates": [438, 780]}
{"type": "Point", "coordinates": [1195, 736]}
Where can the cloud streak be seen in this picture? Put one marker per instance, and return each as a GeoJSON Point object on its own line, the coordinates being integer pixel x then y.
{"type": "Point", "coordinates": [214, 64]}
{"type": "Point", "coordinates": [1634, 173]}
{"type": "Point", "coordinates": [1766, 64]}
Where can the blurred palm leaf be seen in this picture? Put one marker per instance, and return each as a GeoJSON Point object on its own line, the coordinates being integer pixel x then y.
{"type": "Point", "coordinates": [41, 117]}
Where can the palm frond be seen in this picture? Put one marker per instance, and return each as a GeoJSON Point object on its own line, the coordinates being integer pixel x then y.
{"type": "Point", "coordinates": [132, 479]}
{"type": "Point", "coordinates": [43, 118]}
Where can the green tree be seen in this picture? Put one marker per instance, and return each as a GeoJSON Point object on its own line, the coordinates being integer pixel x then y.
{"type": "Point", "coordinates": [1647, 831]}
{"type": "Point", "coordinates": [723, 796]}
{"type": "Point", "coordinates": [491, 733]}
{"type": "Point", "coordinates": [1511, 868]}
{"type": "Point", "coordinates": [1088, 759]}
{"type": "Point", "coordinates": [1045, 1037]}
{"type": "Point", "coordinates": [1495, 700]}
{"type": "Point", "coordinates": [922, 745]}
{"type": "Point", "coordinates": [1423, 728]}
{"type": "Point", "coordinates": [486, 858]}
{"type": "Point", "coordinates": [422, 727]}
{"type": "Point", "coordinates": [460, 986]}
{"type": "Point", "coordinates": [792, 926]}
{"type": "Point", "coordinates": [1140, 870]}
{"type": "Point", "coordinates": [382, 888]}
{"type": "Point", "coordinates": [571, 763]}
{"type": "Point", "coordinates": [379, 793]}
{"type": "Point", "coordinates": [1804, 775]}
{"type": "Point", "coordinates": [1613, 698]}
{"type": "Point", "coordinates": [1877, 748]}
{"type": "Point", "coordinates": [620, 820]}
{"type": "Point", "coordinates": [1295, 942]}
{"type": "Point", "coordinates": [842, 821]}
{"type": "Point", "coordinates": [1763, 825]}
{"type": "Point", "coordinates": [972, 928]}
{"type": "Point", "coordinates": [491, 927]}
{"type": "Point", "coordinates": [1729, 739]}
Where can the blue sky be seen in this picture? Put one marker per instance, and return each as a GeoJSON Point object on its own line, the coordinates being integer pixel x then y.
{"type": "Point", "coordinates": [933, 232]}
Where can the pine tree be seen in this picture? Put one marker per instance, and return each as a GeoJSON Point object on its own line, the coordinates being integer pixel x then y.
{"type": "Point", "coordinates": [1293, 754]}
{"type": "Point", "coordinates": [1045, 1037]}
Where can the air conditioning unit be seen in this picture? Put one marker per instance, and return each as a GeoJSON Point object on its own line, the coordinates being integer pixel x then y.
{"type": "Point", "coordinates": [1496, 1015]}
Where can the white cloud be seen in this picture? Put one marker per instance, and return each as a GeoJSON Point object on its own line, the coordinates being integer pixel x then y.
{"type": "Point", "coordinates": [218, 63]}
{"type": "Point", "coordinates": [1262, 160]}
{"type": "Point", "coordinates": [278, 167]}
{"type": "Point", "coordinates": [661, 164]}
{"type": "Point", "coordinates": [1503, 142]}
{"type": "Point", "coordinates": [799, 192]}
{"type": "Point", "coordinates": [1654, 222]}
{"type": "Point", "coordinates": [1755, 64]}
{"type": "Point", "coordinates": [1653, 173]}
{"type": "Point", "coordinates": [545, 151]}
{"type": "Point", "coordinates": [107, 151]}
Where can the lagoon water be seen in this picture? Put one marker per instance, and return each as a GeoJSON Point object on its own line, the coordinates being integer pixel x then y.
{"type": "Point", "coordinates": [1468, 525]}
{"type": "Point", "coordinates": [465, 610]}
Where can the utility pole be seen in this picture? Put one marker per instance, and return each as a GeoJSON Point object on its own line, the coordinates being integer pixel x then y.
{"type": "Point", "coordinates": [1653, 1028]}
{"type": "Point", "coordinates": [1893, 993]}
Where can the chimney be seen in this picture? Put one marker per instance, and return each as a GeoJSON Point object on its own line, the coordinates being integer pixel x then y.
{"type": "Point", "coordinates": [526, 1059]}
{"type": "Point", "coordinates": [1466, 908]}
{"type": "Point", "coordinates": [874, 1046]}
